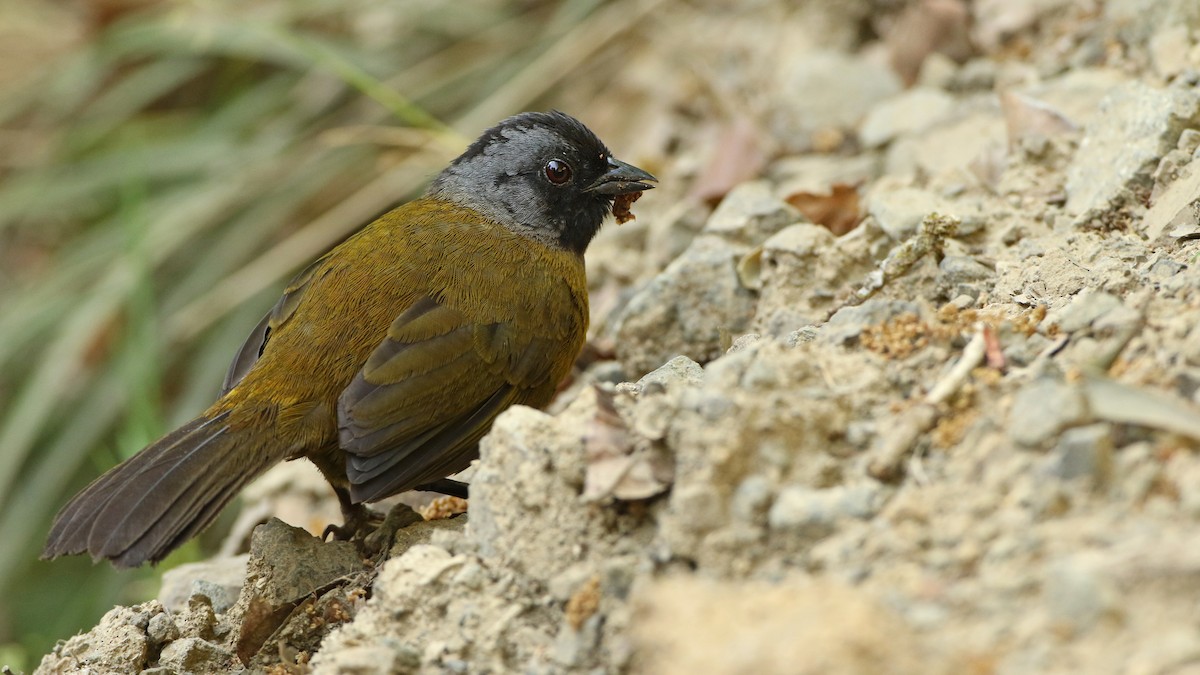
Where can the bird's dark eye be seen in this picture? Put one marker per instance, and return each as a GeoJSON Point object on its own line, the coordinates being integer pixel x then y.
{"type": "Point", "coordinates": [558, 171]}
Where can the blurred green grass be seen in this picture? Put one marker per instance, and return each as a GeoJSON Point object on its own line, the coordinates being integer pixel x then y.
{"type": "Point", "coordinates": [163, 168]}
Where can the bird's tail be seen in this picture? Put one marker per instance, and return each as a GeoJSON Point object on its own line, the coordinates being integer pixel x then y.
{"type": "Point", "coordinates": [148, 505]}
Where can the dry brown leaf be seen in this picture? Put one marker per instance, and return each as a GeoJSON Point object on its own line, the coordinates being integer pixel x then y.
{"type": "Point", "coordinates": [1177, 207]}
{"type": "Point", "coordinates": [924, 28]}
{"type": "Point", "coordinates": [738, 156]}
{"type": "Point", "coordinates": [840, 210]}
{"type": "Point", "coordinates": [994, 352]}
{"type": "Point", "coordinates": [583, 603]}
{"type": "Point", "coordinates": [616, 467]}
{"type": "Point", "coordinates": [1026, 117]}
{"type": "Point", "coordinates": [988, 166]}
{"type": "Point", "coordinates": [444, 507]}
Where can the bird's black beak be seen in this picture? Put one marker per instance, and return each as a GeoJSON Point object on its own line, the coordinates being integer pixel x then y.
{"type": "Point", "coordinates": [621, 179]}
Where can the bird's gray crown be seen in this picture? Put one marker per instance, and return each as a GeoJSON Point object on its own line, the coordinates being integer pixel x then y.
{"type": "Point", "coordinates": [502, 175]}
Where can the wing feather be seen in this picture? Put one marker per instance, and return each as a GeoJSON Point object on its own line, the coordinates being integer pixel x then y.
{"type": "Point", "coordinates": [429, 392]}
{"type": "Point", "coordinates": [254, 345]}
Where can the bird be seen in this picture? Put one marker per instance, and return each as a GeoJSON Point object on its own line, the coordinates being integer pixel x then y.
{"type": "Point", "coordinates": [387, 359]}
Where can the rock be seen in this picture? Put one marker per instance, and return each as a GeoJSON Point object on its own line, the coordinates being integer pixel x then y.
{"type": "Point", "coordinates": [800, 269]}
{"type": "Point", "coordinates": [162, 629]}
{"type": "Point", "coordinates": [1163, 269]}
{"type": "Point", "coordinates": [899, 212]}
{"type": "Point", "coordinates": [1083, 309]}
{"type": "Point", "coordinates": [287, 566]}
{"type": "Point", "coordinates": [1176, 649]}
{"type": "Point", "coordinates": [998, 20]}
{"type": "Point", "coordinates": [287, 563]}
{"type": "Point", "coordinates": [1121, 147]}
{"type": "Point", "coordinates": [702, 503]}
{"type": "Point", "coordinates": [679, 370]}
{"type": "Point", "coordinates": [197, 619]}
{"type": "Point", "coordinates": [1169, 49]}
{"type": "Point", "coordinates": [1191, 346]}
{"type": "Point", "coordinates": [802, 241]}
{"type": "Point", "coordinates": [1077, 593]}
{"type": "Point", "coordinates": [978, 74]}
{"type": "Point", "coordinates": [848, 323]}
{"type": "Point", "coordinates": [306, 627]}
{"type": "Point", "coordinates": [424, 532]}
{"type": "Point", "coordinates": [751, 500]}
{"type": "Point", "coordinates": [802, 335]}
{"type": "Point", "coordinates": [441, 613]}
{"type": "Point", "coordinates": [371, 659]}
{"type": "Point", "coordinates": [189, 656]}
{"type": "Point", "coordinates": [831, 90]}
{"type": "Point", "coordinates": [961, 274]}
{"type": "Point", "coordinates": [686, 309]}
{"type": "Point", "coordinates": [1077, 93]}
{"type": "Point", "coordinates": [699, 297]}
{"type": "Point", "coordinates": [1138, 20]}
{"type": "Point", "coordinates": [118, 644]}
{"type": "Point", "coordinates": [808, 512]}
{"type": "Point", "coordinates": [774, 629]}
{"type": "Point", "coordinates": [220, 579]}
{"type": "Point", "coordinates": [527, 510]}
{"type": "Point", "coordinates": [743, 342]}
{"type": "Point", "coordinates": [948, 150]}
{"type": "Point", "coordinates": [817, 173]}
{"type": "Point", "coordinates": [910, 112]}
{"type": "Point", "coordinates": [749, 214]}
{"type": "Point", "coordinates": [1084, 452]}
{"type": "Point", "coordinates": [1043, 408]}
{"type": "Point", "coordinates": [517, 474]}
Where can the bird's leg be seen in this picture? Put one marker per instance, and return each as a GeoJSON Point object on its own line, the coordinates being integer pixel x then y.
{"type": "Point", "coordinates": [446, 486]}
{"type": "Point", "coordinates": [372, 531]}
{"type": "Point", "coordinates": [357, 519]}
{"type": "Point", "coordinates": [380, 540]}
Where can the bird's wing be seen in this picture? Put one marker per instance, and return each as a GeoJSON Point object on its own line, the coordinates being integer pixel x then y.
{"type": "Point", "coordinates": [253, 347]}
{"type": "Point", "coordinates": [416, 410]}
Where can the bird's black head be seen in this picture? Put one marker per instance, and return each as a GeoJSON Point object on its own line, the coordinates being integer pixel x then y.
{"type": "Point", "coordinates": [544, 175]}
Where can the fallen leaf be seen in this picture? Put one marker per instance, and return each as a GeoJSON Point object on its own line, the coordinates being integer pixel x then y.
{"type": "Point", "coordinates": [739, 156]}
{"type": "Point", "coordinates": [749, 269]}
{"type": "Point", "coordinates": [840, 210]}
{"type": "Point", "coordinates": [1026, 117]}
{"type": "Point", "coordinates": [444, 507]}
{"type": "Point", "coordinates": [988, 166]}
{"type": "Point", "coordinates": [994, 352]}
{"type": "Point", "coordinates": [583, 603]}
{"type": "Point", "coordinates": [1176, 207]}
{"type": "Point", "coordinates": [924, 28]}
{"type": "Point", "coordinates": [616, 465]}
{"type": "Point", "coordinates": [1116, 402]}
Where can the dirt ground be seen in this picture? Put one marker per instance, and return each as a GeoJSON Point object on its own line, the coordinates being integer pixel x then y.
{"type": "Point", "coordinates": [898, 371]}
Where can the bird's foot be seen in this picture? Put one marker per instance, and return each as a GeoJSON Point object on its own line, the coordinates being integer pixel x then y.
{"type": "Point", "coordinates": [357, 520]}
{"type": "Point", "coordinates": [380, 540]}
{"type": "Point", "coordinates": [357, 524]}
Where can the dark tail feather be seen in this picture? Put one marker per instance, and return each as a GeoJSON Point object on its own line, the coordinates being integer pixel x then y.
{"type": "Point", "coordinates": [147, 506]}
